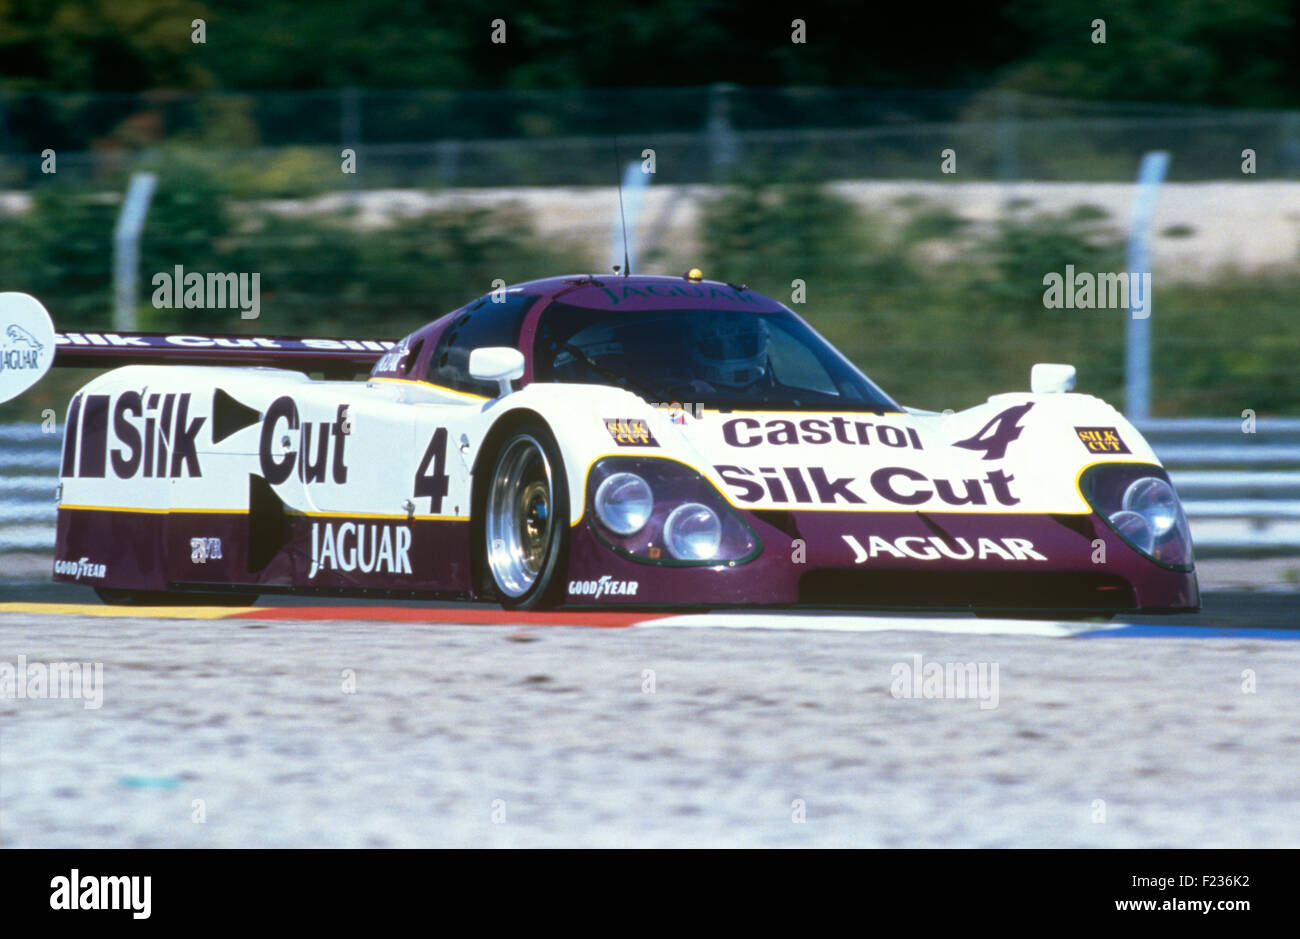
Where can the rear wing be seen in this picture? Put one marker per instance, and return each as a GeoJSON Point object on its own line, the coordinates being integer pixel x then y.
{"type": "Point", "coordinates": [106, 350]}
{"type": "Point", "coordinates": [29, 346]}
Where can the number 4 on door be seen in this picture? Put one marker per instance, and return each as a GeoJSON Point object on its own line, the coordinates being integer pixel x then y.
{"type": "Point", "coordinates": [434, 484]}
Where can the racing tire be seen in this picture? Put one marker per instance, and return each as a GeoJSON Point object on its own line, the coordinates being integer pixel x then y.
{"type": "Point", "coordinates": [523, 542]}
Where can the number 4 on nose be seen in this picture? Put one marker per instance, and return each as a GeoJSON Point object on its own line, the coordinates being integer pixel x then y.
{"type": "Point", "coordinates": [994, 437]}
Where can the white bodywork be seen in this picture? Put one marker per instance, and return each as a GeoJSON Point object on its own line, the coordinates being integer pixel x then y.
{"type": "Point", "coordinates": [390, 428]}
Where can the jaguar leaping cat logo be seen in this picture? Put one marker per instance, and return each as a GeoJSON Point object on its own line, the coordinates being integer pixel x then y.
{"type": "Point", "coordinates": [19, 336]}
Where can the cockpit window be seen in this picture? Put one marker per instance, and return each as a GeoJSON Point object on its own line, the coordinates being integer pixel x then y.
{"type": "Point", "coordinates": [715, 358]}
{"type": "Point", "coordinates": [483, 323]}
{"type": "Point", "coordinates": [413, 356]}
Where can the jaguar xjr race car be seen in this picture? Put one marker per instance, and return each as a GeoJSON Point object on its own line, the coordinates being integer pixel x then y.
{"type": "Point", "coordinates": [595, 440]}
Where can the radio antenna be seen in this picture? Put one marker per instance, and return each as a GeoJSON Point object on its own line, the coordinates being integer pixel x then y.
{"type": "Point", "coordinates": [618, 172]}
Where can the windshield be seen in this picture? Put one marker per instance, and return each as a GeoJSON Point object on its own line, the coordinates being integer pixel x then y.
{"type": "Point", "coordinates": [711, 358]}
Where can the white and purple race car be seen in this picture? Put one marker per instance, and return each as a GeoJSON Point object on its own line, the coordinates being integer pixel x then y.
{"type": "Point", "coordinates": [594, 440]}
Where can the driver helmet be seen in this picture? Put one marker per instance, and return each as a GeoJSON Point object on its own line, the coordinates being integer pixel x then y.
{"type": "Point", "coordinates": [729, 349]}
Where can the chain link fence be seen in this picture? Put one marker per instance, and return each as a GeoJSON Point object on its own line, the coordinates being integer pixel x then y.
{"type": "Point", "coordinates": [488, 139]}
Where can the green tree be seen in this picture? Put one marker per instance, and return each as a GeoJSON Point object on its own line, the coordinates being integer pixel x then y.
{"type": "Point", "coordinates": [104, 45]}
{"type": "Point", "coordinates": [1224, 52]}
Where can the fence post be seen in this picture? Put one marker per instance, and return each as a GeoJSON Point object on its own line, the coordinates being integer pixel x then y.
{"type": "Point", "coordinates": [1008, 158]}
{"type": "Point", "coordinates": [4, 122]}
{"type": "Point", "coordinates": [628, 216]}
{"type": "Point", "coordinates": [1137, 331]}
{"type": "Point", "coordinates": [447, 154]}
{"type": "Point", "coordinates": [722, 137]}
{"type": "Point", "coordinates": [126, 249]}
{"type": "Point", "coordinates": [1289, 146]}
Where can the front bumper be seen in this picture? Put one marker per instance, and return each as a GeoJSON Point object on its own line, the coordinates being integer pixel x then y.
{"type": "Point", "coordinates": [899, 560]}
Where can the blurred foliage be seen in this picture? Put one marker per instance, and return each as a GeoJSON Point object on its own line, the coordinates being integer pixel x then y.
{"type": "Point", "coordinates": [1024, 246]}
{"type": "Point", "coordinates": [60, 251]}
{"type": "Point", "coordinates": [1206, 51]}
{"type": "Point", "coordinates": [926, 301]}
{"type": "Point", "coordinates": [133, 44]}
{"type": "Point", "coordinates": [755, 227]}
{"type": "Point", "coordinates": [321, 271]}
{"type": "Point", "coordinates": [1193, 51]}
{"type": "Point", "coordinates": [941, 310]}
{"type": "Point", "coordinates": [100, 44]}
{"type": "Point", "coordinates": [943, 313]}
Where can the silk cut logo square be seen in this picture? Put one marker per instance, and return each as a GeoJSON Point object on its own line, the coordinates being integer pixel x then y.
{"type": "Point", "coordinates": [1101, 440]}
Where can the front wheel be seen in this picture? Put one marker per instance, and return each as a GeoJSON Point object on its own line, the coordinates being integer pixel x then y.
{"type": "Point", "coordinates": [525, 540]}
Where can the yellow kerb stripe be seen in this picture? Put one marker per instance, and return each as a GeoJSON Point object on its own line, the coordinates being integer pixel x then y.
{"type": "Point", "coordinates": [148, 612]}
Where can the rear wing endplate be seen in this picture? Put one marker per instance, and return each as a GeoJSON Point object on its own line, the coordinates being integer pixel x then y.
{"type": "Point", "coordinates": [29, 347]}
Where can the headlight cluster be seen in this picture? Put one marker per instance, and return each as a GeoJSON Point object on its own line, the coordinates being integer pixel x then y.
{"type": "Point", "coordinates": [664, 512]}
{"type": "Point", "coordinates": [624, 503]}
{"type": "Point", "coordinates": [1139, 503]}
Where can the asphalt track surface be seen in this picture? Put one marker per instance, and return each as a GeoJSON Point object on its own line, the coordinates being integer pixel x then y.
{"type": "Point", "coordinates": [340, 731]}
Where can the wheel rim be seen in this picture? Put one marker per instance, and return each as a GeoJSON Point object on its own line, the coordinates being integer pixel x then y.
{"type": "Point", "coordinates": [519, 517]}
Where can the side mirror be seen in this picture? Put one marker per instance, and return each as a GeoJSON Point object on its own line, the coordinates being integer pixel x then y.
{"type": "Point", "coordinates": [1050, 378]}
{"type": "Point", "coordinates": [501, 364]}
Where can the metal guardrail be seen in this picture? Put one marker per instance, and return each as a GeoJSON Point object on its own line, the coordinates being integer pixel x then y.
{"type": "Point", "coordinates": [29, 478]}
{"type": "Point", "coordinates": [1241, 490]}
{"type": "Point", "coordinates": [1240, 485]}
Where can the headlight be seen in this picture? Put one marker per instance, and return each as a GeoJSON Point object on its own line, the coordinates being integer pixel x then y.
{"type": "Point", "coordinates": [1138, 502]}
{"type": "Point", "coordinates": [656, 510]}
{"type": "Point", "coordinates": [693, 532]}
{"type": "Point", "coordinates": [1135, 529]}
{"type": "Point", "coordinates": [1155, 501]}
{"type": "Point", "coordinates": [624, 503]}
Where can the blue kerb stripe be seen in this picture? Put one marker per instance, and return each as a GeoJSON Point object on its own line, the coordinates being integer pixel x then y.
{"type": "Point", "coordinates": [1187, 632]}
